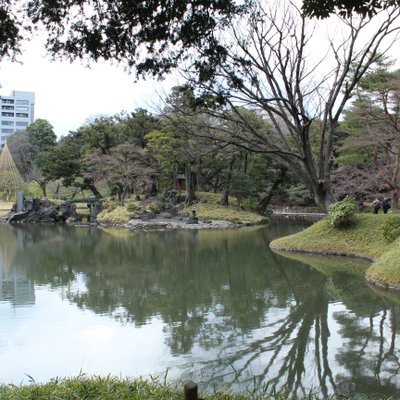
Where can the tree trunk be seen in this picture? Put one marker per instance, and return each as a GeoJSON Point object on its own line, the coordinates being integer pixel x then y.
{"type": "Point", "coordinates": [90, 185]}
{"type": "Point", "coordinates": [216, 184]}
{"type": "Point", "coordinates": [190, 190]}
{"type": "Point", "coordinates": [263, 203]}
{"type": "Point", "coordinates": [225, 197]}
{"type": "Point", "coordinates": [175, 179]}
{"type": "Point", "coordinates": [57, 191]}
{"type": "Point", "coordinates": [42, 185]}
{"type": "Point", "coordinates": [245, 162]}
{"type": "Point", "coordinates": [322, 195]}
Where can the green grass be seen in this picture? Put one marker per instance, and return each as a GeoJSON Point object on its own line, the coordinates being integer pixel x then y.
{"type": "Point", "coordinates": [363, 239]}
{"type": "Point", "coordinates": [109, 388]}
{"type": "Point", "coordinates": [208, 207]}
{"type": "Point", "coordinates": [117, 214]}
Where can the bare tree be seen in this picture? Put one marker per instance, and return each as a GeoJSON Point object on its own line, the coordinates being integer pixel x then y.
{"type": "Point", "coordinates": [278, 63]}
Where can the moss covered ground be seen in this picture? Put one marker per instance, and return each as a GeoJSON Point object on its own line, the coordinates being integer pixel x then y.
{"type": "Point", "coordinates": [208, 207]}
{"type": "Point", "coordinates": [364, 239]}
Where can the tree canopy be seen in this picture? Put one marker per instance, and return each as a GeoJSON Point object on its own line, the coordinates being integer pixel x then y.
{"type": "Point", "coordinates": [152, 36]}
{"type": "Point", "coordinates": [149, 37]}
{"type": "Point", "coordinates": [345, 8]}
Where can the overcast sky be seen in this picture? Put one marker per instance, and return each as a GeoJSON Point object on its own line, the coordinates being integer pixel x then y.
{"type": "Point", "coordinates": [67, 95]}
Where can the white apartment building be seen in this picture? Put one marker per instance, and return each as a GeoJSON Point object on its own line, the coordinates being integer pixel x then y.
{"type": "Point", "coordinates": [17, 112]}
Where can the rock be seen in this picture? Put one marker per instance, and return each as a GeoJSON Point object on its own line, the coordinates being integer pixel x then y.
{"type": "Point", "coordinates": [67, 212]}
{"type": "Point", "coordinates": [43, 210]}
{"type": "Point", "coordinates": [193, 219]}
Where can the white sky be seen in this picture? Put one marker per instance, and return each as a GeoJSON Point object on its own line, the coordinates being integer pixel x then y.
{"type": "Point", "coordinates": [67, 95]}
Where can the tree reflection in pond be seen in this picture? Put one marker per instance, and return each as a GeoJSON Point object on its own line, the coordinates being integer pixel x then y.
{"type": "Point", "coordinates": [233, 312]}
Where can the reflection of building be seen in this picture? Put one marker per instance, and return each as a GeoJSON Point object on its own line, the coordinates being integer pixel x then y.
{"type": "Point", "coordinates": [15, 287]}
{"type": "Point", "coordinates": [17, 112]}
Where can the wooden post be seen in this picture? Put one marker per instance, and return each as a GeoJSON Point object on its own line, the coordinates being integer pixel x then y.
{"type": "Point", "coordinates": [190, 390]}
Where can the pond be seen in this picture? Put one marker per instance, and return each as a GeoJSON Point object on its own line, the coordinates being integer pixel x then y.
{"type": "Point", "coordinates": [217, 307]}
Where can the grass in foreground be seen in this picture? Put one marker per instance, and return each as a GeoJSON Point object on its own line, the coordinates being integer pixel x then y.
{"type": "Point", "coordinates": [109, 388]}
{"type": "Point", "coordinates": [363, 239]}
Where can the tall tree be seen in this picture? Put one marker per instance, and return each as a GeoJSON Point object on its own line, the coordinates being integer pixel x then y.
{"type": "Point", "coordinates": [136, 125]}
{"type": "Point", "coordinates": [65, 161]}
{"type": "Point", "coordinates": [41, 135]}
{"type": "Point", "coordinates": [28, 148]}
{"type": "Point", "coordinates": [102, 134]}
{"type": "Point", "coordinates": [272, 66]}
{"type": "Point", "coordinates": [126, 168]}
{"type": "Point", "coordinates": [373, 126]}
{"type": "Point", "coordinates": [166, 150]}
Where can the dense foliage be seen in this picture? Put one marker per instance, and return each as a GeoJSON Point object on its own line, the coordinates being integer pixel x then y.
{"type": "Point", "coordinates": [391, 228]}
{"type": "Point", "coordinates": [368, 149]}
{"type": "Point", "coordinates": [342, 213]}
{"type": "Point", "coordinates": [122, 30]}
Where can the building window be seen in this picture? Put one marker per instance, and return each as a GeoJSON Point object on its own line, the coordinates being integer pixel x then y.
{"type": "Point", "coordinates": [4, 138]}
{"type": "Point", "coordinates": [7, 101]}
{"type": "Point", "coordinates": [22, 115]}
{"type": "Point", "coordinates": [21, 123]}
{"type": "Point", "coordinates": [7, 123]}
{"type": "Point", "coordinates": [23, 102]}
{"type": "Point", "coordinates": [7, 107]}
{"type": "Point", "coordinates": [7, 114]}
{"type": "Point", "coordinates": [6, 130]}
{"type": "Point", "coordinates": [20, 108]}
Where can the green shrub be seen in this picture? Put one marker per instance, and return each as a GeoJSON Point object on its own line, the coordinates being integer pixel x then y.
{"type": "Point", "coordinates": [156, 207]}
{"type": "Point", "coordinates": [391, 228]}
{"type": "Point", "coordinates": [342, 213]}
{"type": "Point", "coordinates": [133, 207]}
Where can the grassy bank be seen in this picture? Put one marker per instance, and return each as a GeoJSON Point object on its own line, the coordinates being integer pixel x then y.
{"type": "Point", "coordinates": [109, 388]}
{"type": "Point", "coordinates": [362, 239]}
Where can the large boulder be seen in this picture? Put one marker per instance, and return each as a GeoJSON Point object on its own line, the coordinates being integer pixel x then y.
{"type": "Point", "coordinates": [42, 210]}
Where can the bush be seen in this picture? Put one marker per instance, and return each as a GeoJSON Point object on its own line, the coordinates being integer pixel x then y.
{"type": "Point", "coordinates": [133, 207]}
{"type": "Point", "coordinates": [156, 207]}
{"type": "Point", "coordinates": [391, 228]}
{"type": "Point", "coordinates": [342, 213]}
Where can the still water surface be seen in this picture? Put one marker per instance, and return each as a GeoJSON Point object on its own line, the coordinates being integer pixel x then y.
{"type": "Point", "coordinates": [217, 307]}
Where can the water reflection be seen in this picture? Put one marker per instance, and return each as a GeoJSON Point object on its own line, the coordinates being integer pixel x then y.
{"type": "Point", "coordinates": [232, 311]}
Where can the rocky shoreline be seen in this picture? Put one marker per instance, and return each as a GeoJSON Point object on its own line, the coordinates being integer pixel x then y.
{"type": "Point", "coordinates": [159, 223]}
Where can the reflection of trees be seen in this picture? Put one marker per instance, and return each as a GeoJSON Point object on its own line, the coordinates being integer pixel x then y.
{"type": "Point", "coordinates": [243, 314]}
{"type": "Point", "coordinates": [368, 355]}
{"type": "Point", "coordinates": [296, 336]}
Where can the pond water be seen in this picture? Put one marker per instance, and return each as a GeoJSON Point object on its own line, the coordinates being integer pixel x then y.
{"type": "Point", "coordinates": [216, 307]}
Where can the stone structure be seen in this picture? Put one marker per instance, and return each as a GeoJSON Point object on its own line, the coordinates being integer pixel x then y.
{"type": "Point", "coordinates": [42, 210]}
